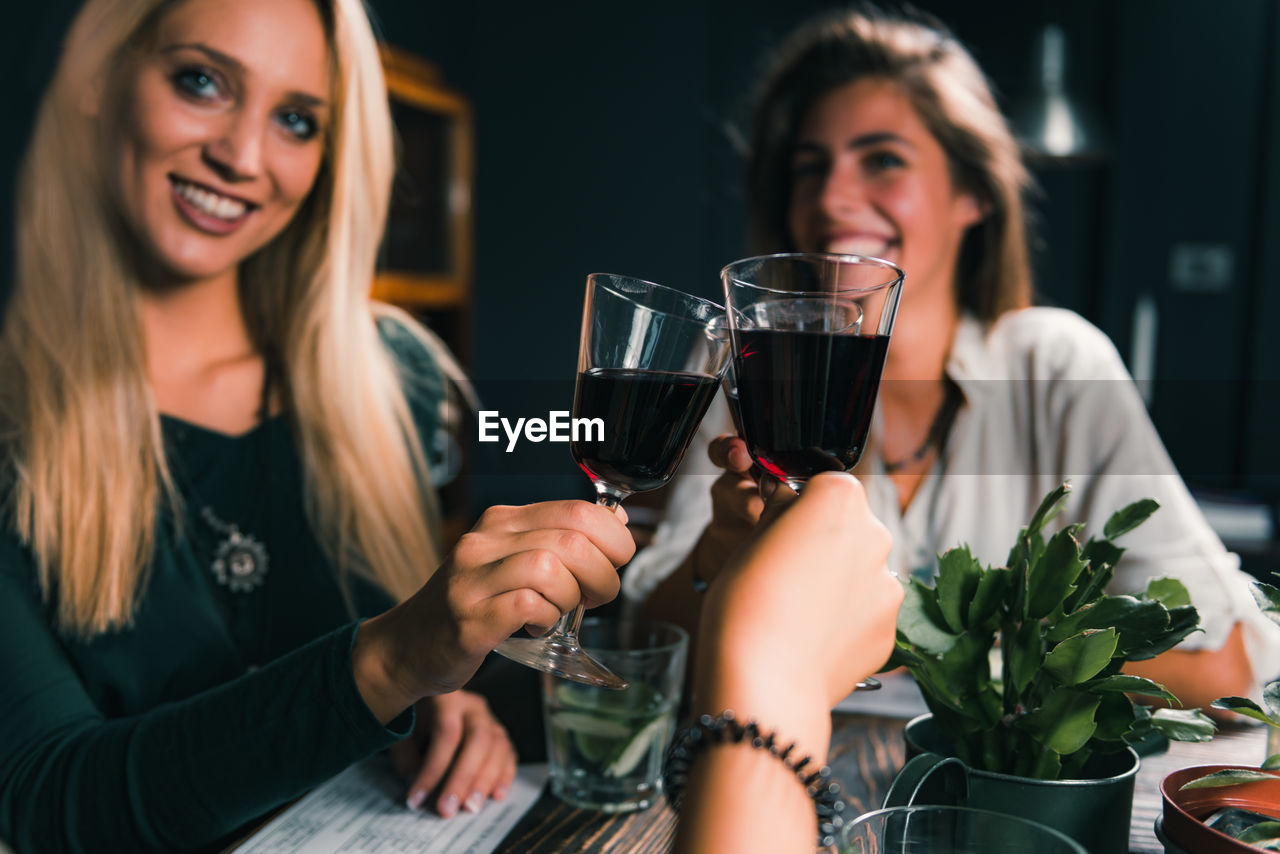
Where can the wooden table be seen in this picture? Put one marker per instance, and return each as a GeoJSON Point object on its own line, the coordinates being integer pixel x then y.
{"type": "Point", "coordinates": [866, 753]}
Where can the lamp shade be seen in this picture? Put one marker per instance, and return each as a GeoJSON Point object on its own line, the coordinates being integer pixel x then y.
{"type": "Point", "coordinates": [1050, 121]}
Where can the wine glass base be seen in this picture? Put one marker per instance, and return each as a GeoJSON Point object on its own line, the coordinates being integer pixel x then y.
{"type": "Point", "coordinates": [567, 661]}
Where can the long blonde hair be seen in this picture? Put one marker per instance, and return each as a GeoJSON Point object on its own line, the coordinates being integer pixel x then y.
{"type": "Point", "coordinates": [950, 94]}
{"type": "Point", "coordinates": [83, 431]}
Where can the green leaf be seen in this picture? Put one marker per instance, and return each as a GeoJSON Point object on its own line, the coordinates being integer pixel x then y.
{"type": "Point", "coordinates": [993, 749]}
{"type": "Point", "coordinates": [993, 586]}
{"type": "Point", "coordinates": [1183, 620]}
{"type": "Point", "coordinates": [1051, 576]}
{"type": "Point", "coordinates": [1102, 552]}
{"type": "Point", "coordinates": [1079, 658]}
{"type": "Point", "coordinates": [902, 656]}
{"type": "Point", "coordinates": [1141, 726]}
{"type": "Point", "coordinates": [1115, 717]}
{"type": "Point", "coordinates": [1271, 696]}
{"type": "Point", "coordinates": [1024, 654]}
{"type": "Point", "coordinates": [1137, 620]}
{"type": "Point", "coordinates": [1146, 627]}
{"type": "Point", "coordinates": [917, 626]}
{"type": "Point", "coordinates": [1272, 763]}
{"type": "Point", "coordinates": [1127, 684]}
{"type": "Point", "coordinates": [989, 700]}
{"type": "Point", "coordinates": [965, 671]}
{"type": "Point", "coordinates": [1092, 582]}
{"type": "Point", "coordinates": [1030, 543]}
{"type": "Point", "coordinates": [1245, 706]}
{"type": "Point", "coordinates": [1048, 766]}
{"type": "Point", "coordinates": [1073, 765]}
{"type": "Point", "coordinates": [1168, 591]}
{"type": "Point", "coordinates": [1268, 599]}
{"type": "Point", "coordinates": [1051, 506]}
{"type": "Point", "coordinates": [937, 687]}
{"type": "Point", "coordinates": [1183, 724]}
{"type": "Point", "coordinates": [1263, 831]}
{"type": "Point", "coordinates": [1125, 520]}
{"type": "Point", "coordinates": [958, 578]}
{"type": "Point", "coordinates": [1065, 722]}
{"type": "Point", "coordinates": [1229, 777]}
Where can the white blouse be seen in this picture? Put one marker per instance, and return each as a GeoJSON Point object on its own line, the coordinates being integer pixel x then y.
{"type": "Point", "coordinates": [1046, 399]}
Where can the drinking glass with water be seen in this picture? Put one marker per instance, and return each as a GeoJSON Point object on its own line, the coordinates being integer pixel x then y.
{"type": "Point", "coordinates": [606, 747]}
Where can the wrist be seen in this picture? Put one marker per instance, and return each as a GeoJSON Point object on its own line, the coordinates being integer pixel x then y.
{"type": "Point", "coordinates": [717, 752]}
{"type": "Point", "coordinates": [751, 687]}
{"type": "Point", "coordinates": [377, 667]}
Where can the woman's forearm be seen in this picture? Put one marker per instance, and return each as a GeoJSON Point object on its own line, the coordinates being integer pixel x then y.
{"type": "Point", "coordinates": [743, 798]}
{"type": "Point", "coordinates": [374, 665]}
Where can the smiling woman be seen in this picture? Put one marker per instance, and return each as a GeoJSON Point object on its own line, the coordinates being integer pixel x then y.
{"type": "Point", "coordinates": [878, 133]}
{"type": "Point", "coordinates": [216, 452]}
{"type": "Point", "coordinates": [221, 133]}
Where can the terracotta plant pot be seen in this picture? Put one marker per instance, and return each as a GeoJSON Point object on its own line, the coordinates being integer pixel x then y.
{"type": "Point", "coordinates": [1185, 811]}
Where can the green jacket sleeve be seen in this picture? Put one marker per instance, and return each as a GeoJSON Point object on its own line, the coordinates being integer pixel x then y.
{"type": "Point", "coordinates": [430, 397]}
{"type": "Point", "coordinates": [179, 777]}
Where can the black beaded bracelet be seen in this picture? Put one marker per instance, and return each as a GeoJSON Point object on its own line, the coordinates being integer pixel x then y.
{"type": "Point", "coordinates": [708, 731]}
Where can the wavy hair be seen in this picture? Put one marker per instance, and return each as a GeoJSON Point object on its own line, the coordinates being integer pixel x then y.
{"type": "Point", "coordinates": [82, 430]}
{"type": "Point", "coordinates": [952, 97]}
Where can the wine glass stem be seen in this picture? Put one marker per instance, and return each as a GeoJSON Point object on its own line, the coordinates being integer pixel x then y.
{"type": "Point", "coordinates": [566, 631]}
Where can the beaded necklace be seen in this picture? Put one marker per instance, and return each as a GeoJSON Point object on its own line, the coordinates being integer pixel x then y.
{"type": "Point", "coordinates": [240, 559]}
{"type": "Point", "coordinates": [938, 430]}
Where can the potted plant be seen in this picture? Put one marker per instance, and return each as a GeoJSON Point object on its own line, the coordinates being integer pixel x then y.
{"type": "Point", "coordinates": [1045, 733]}
{"type": "Point", "coordinates": [1206, 808]}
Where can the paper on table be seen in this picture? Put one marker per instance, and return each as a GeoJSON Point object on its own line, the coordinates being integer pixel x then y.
{"type": "Point", "coordinates": [361, 811]}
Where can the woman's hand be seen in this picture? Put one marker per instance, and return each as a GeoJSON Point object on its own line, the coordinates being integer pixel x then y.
{"type": "Point", "coordinates": [804, 611]}
{"type": "Point", "coordinates": [736, 505]}
{"type": "Point", "coordinates": [458, 746]}
{"type": "Point", "coordinates": [519, 566]}
{"type": "Point", "coordinates": [809, 597]}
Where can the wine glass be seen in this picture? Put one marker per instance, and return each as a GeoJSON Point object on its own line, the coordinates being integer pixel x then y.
{"type": "Point", "coordinates": [649, 362]}
{"type": "Point", "coordinates": [810, 333]}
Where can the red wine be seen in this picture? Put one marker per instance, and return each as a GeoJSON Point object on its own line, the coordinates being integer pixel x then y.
{"type": "Point", "coordinates": [649, 419]}
{"type": "Point", "coordinates": [805, 398]}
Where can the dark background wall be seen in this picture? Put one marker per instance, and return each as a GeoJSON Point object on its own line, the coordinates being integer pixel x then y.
{"type": "Point", "coordinates": [605, 140]}
{"type": "Point", "coordinates": [605, 137]}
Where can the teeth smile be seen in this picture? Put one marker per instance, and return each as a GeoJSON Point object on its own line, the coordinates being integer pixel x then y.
{"type": "Point", "coordinates": [861, 245]}
{"type": "Point", "coordinates": [211, 204]}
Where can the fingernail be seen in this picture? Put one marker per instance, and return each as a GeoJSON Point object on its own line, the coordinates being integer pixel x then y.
{"type": "Point", "coordinates": [415, 799]}
{"type": "Point", "coordinates": [473, 803]}
{"type": "Point", "coordinates": [449, 806]}
{"type": "Point", "coordinates": [622, 514]}
{"type": "Point", "coordinates": [499, 794]}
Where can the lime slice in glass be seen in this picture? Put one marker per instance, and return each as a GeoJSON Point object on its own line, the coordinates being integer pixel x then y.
{"type": "Point", "coordinates": [639, 746]}
{"type": "Point", "coordinates": [580, 723]}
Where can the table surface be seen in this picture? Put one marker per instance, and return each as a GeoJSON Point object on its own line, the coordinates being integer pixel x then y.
{"type": "Point", "coordinates": [866, 752]}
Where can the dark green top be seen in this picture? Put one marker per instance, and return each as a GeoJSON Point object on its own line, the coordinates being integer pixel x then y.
{"type": "Point", "coordinates": [215, 706]}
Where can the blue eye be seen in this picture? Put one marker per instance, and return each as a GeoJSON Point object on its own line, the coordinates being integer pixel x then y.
{"type": "Point", "coordinates": [298, 123]}
{"type": "Point", "coordinates": [880, 161]}
{"type": "Point", "coordinates": [197, 83]}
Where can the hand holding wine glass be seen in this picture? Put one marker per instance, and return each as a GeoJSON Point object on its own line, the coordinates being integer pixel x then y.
{"type": "Point", "coordinates": [650, 361]}
{"type": "Point", "coordinates": [518, 566]}
{"type": "Point", "coordinates": [810, 335]}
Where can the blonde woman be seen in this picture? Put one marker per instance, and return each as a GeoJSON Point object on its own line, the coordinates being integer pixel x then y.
{"type": "Point", "coordinates": [876, 134]}
{"type": "Point", "coordinates": [217, 453]}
